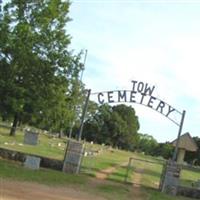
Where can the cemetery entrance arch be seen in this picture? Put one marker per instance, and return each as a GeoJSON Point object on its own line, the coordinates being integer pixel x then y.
{"type": "Point", "coordinates": [142, 93]}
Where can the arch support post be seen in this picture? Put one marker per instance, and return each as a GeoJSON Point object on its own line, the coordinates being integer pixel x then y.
{"type": "Point", "coordinates": [178, 138]}
{"type": "Point", "coordinates": [83, 114]}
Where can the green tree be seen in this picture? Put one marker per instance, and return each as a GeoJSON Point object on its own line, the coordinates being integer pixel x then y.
{"type": "Point", "coordinates": [95, 128]}
{"type": "Point", "coordinates": [116, 126]}
{"type": "Point", "coordinates": [131, 126]}
{"type": "Point", "coordinates": [163, 149]}
{"type": "Point", "coordinates": [147, 144]}
{"type": "Point", "coordinates": [37, 70]}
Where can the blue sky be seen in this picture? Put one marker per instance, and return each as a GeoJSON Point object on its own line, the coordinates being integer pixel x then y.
{"type": "Point", "coordinates": [157, 42]}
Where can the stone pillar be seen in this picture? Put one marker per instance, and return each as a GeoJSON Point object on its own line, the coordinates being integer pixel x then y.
{"type": "Point", "coordinates": [73, 157]}
{"type": "Point", "coordinates": [171, 178]}
{"type": "Point", "coordinates": [181, 155]}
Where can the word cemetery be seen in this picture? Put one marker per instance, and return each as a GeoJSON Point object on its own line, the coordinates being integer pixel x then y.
{"type": "Point", "coordinates": [141, 93]}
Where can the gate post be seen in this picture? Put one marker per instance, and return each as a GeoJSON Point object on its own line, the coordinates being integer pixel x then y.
{"type": "Point", "coordinates": [178, 138]}
{"type": "Point", "coordinates": [171, 175]}
{"type": "Point", "coordinates": [73, 157]}
{"type": "Point", "coordinates": [83, 114]}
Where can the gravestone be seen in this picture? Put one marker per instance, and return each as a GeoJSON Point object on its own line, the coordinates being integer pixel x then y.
{"type": "Point", "coordinates": [73, 157]}
{"type": "Point", "coordinates": [30, 137]}
{"type": "Point", "coordinates": [32, 162]}
{"type": "Point", "coordinates": [171, 178]}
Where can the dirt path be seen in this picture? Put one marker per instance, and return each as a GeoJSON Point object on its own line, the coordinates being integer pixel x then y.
{"type": "Point", "coordinates": [136, 190]}
{"type": "Point", "coordinates": [137, 183]}
{"type": "Point", "coordinates": [15, 190]}
{"type": "Point", "coordinates": [103, 174]}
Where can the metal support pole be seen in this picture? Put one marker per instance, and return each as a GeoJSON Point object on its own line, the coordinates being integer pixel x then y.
{"type": "Point", "coordinates": [83, 64]}
{"type": "Point", "coordinates": [127, 170]}
{"type": "Point", "coordinates": [83, 115]}
{"type": "Point", "coordinates": [178, 138]}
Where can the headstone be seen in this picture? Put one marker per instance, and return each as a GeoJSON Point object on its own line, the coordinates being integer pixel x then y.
{"type": "Point", "coordinates": [73, 157]}
{"type": "Point", "coordinates": [171, 178]}
{"type": "Point", "coordinates": [32, 162]}
{"type": "Point", "coordinates": [30, 137]}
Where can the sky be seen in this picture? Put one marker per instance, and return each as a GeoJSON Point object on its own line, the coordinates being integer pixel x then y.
{"type": "Point", "coordinates": [153, 41]}
{"type": "Point", "coordinates": [156, 42]}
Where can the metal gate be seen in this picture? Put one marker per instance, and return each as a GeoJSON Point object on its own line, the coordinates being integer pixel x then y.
{"type": "Point", "coordinates": [145, 172]}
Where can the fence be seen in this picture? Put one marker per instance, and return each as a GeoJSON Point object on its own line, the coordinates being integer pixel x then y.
{"type": "Point", "coordinates": [145, 172]}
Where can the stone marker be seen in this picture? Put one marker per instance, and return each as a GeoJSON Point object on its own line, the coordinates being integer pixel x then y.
{"type": "Point", "coordinates": [32, 162]}
{"type": "Point", "coordinates": [73, 157]}
{"type": "Point", "coordinates": [30, 137]}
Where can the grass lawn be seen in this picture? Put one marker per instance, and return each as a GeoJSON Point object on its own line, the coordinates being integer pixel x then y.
{"type": "Point", "coordinates": [189, 176]}
{"type": "Point", "coordinates": [47, 146]}
{"type": "Point", "coordinates": [113, 189]}
{"type": "Point", "coordinates": [152, 194]}
{"type": "Point", "coordinates": [109, 190]}
{"type": "Point", "coordinates": [15, 171]}
{"type": "Point", "coordinates": [149, 170]}
{"type": "Point", "coordinates": [106, 159]}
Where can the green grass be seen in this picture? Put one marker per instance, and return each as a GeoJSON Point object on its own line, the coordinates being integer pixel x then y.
{"type": "Point", "coordinates": [189, 176]}
{"type": "Point", "coordinates": [47, 147]}
{"type": "Point", "coordinates": [120, 174]}
{"type": "Point", "coordinates": [109, 190]}
{"type": "Point", "coordinates": [151, 194]}
{"type": "Point", "coordinates": [15, 171]}
{"type": "Point", "coordinates": [104, 160]}
{"type": "Point", "coordinates": [116, 189]}
{"type": "Point", "coordinates": [150, 173]}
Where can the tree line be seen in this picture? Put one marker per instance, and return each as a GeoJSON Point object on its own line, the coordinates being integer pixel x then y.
{"type": "Point", "coordinates": [150, 146]}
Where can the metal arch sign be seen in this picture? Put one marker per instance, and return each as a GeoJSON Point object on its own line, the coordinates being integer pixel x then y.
{"type": "Point", "coordinates": [129, 96]}
{"type": "Point", "coordinates": [142, 93]}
